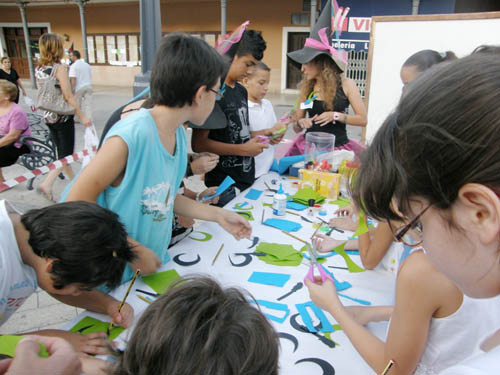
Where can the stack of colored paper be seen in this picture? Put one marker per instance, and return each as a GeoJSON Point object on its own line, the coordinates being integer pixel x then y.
{"type": "Point", "coordinates": [303, 195]}
{"type": "Point", "coordinates": [279, 254]}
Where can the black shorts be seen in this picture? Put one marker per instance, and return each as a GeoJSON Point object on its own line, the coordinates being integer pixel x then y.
{"type": "Point", "coordinates": [9, 154]}
{"type": "Point", "coordinates": [63, 135]}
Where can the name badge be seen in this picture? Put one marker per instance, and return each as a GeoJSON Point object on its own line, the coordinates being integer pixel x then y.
{"type": "Point", "coordinates": [306, 105]}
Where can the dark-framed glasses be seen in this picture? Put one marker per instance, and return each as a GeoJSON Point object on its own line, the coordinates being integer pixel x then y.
{"type": "Point", "coordinates": [220, 93]}
{"type": "Point", "coordinates": [411, 234]}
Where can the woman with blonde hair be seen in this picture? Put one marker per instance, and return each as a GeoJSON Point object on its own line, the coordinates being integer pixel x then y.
{"type": "Point", "coordinates": [325, 92]}
{"type": "Point", "coordinates": [62, 127]}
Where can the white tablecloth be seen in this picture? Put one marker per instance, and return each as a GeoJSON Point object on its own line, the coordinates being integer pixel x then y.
{"type": "Point", "coordinates": [374, 286]}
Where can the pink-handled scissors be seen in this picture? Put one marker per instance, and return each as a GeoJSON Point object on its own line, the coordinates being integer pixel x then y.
{"type": "Point", "coordinates": [316, 267]}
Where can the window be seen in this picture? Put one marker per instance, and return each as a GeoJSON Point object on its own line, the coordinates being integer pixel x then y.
{"type": "Point", "coordinates": [114, 49]}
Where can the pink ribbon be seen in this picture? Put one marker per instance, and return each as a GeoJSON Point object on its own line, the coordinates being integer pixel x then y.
{"type": "Point", "coordinates": [324, 45]}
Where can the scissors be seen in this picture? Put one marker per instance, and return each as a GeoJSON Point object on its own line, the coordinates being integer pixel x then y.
{"type": "Point", "coordinates": [316, 266]}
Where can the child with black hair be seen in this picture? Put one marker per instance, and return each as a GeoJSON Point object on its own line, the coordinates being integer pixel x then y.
{"type": "Point", "coordinates": [234, 144]}
{"type": "Point", "coordinates": [197, 327]}
{"type": "Point", "coordinates": [66, 249]}
{"type": "Point", "coordinates": [138, 170]}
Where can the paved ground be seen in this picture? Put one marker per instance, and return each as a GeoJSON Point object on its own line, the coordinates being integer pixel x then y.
{"type": "Point", "coordinates": [41, 310]}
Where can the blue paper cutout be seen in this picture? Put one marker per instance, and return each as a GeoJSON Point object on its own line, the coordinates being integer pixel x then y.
{"type": "Point", "coordinates": [339, 285]}
{"type": "Point", "coordinates": [361, 301]}
{"type": "Point", "coordinates": [253, 194]}
{"type": "Point", "coordinates": [295, 206]}
{"type": "Point", "coordinates": [285, 163]}
{"type": "Point", "coordinates": [268, 278]}
{"type": "Point", "coordinates": [286, 225]}
{"type": "Point", "coordinates": [242, 205]}
{"type": "Point", "coordinates": [275, 306]}
{"type": "Point", "coordinates": [226, 184]}
{"type": "Point", "coordinates": [326, 326]}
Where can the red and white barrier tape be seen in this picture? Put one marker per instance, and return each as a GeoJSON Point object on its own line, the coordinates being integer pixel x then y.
{"type": "Point", "coordinates": [45, 169]}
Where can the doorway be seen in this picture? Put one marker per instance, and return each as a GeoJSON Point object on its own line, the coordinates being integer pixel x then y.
{"type": "Point", "coordinates": [16, 47]}
{"type": "Point", "coordinates": [293, 38]}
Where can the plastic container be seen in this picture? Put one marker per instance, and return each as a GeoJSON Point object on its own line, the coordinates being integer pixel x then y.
{"type": "Point", "coordinates": [279, 202]}
{"type": "Point", "coordinates": [319, 146]}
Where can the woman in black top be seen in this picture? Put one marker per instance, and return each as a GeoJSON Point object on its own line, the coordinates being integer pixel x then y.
{"type": "Point", "coordinates": [327, 94]}
{"type": "Point", "coordinates": [8, 73]}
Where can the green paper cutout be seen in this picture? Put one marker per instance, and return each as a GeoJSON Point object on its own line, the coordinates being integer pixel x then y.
{"type": "Point", "coordinates": [351, 266]}
{"type": "Point", "coordinates": [95, 325]}
{"type": "Point", "coordinates": [267, 205]}
{"type": "Point", "coordinates": [303, 196]}
{"type": "Point", "coordinates": [161, 281]}
{"type": "Point", "coordinates": [246, 214]}
{"type": "Point", "coordinates": [244, 208]}
{"type": "Point", "coordinates": [304, 250]}
{"type": "Point", "coordinates": [362, 227]}
{"type": "Point", "coordinates": [341, 202]}
{"type": "Point", "coordinates": [207, 237]}
{"type": "Point", "coordinates": [8, 344]}
{"type": "Point", "coordinates": [279, 254]}
{"type": "Point", "coordinates": [336, 327]}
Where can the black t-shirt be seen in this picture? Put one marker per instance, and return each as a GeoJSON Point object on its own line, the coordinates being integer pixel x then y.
{"type": "Point", "coordinates": [338, 129]}
{"type": "Point", "coordinates": [11, 77]}
{"type": "Point", "coordinates": [240, 168]}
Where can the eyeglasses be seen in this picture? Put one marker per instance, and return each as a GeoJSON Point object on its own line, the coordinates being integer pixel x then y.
{"type": "Point", "coordinates": [411, 234]}
{"type": "Point", "coordinates": [219, 94]}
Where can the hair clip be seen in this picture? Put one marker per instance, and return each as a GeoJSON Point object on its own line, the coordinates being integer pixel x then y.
{"type": "Point", "coordinates": [115, 255]}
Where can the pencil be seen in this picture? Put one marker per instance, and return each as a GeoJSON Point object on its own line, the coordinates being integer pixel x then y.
{"type": "Point", "coordinates": [295, 237]}
{"type": "Point", "coordinates": [262, 220]}
{"type": "Point", "coordinates": [388, 367]}
{"type": "Point", "coordinates": [316, 231]}
{"type": "Point", "coordinates": [144, 299]}
{"type": "Point", "coordinates": [148, 293]}
{"type": "Point", "coordinates": [267, 186]}
{"type": "Point", "coordinates": [218, 253]}
{"type": "Point", "coordinates": [293, 213]}
{"type": "Point", "coordinates": [124, 298]}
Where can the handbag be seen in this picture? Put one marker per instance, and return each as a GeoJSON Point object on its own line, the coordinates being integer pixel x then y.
{"type": "Point", "coordinates": [50, 97]}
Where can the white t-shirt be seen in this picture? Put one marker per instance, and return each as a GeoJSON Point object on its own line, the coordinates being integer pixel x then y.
{"type": "Point", "coordinates": [17, 280]}
{"type": "Point", "coordinates": [262, 117]}
{"type": "Point", "coordinates": [81, 71]}
{"type": "Point", "coordinates": [483, 364]}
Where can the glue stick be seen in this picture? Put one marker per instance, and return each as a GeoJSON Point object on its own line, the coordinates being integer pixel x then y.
{"type": "Point", "coordinates": [279, 202]}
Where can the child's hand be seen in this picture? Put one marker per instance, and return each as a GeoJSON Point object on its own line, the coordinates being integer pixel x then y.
{"type": "Point", "coordinates": [323, 295]}
{"type": "Point", "coordinates": [147, 260]}
{"type": "Point", "coordinates": [253, 147]}
{"type": "Point", "coordinates": [345, 223]}
{"type": "Point", "coordinates": [94, 366]}
{"type": "Point", "coordinates": [346, 211]}
{"type": "Point", "coordinates": [185, 222]}
{"type": "Point", "coordinates": [204, 162]}
{"type": "Point", "coordinates": [125, 317]}
{"type": "Point", "coordinates": [280, 125]}
{"type": "Point", "coordinates": [92, 343]}
{"type": "Point", "coordinates": [325, 244]}
{"type": "Point", "coordinates": [208, 192]}
{"type": "Point", "coordinates": [234, 224]}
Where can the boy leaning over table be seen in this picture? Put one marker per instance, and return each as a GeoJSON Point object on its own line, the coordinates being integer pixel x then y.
{"type": "Point", "coordinates": [67, 249]}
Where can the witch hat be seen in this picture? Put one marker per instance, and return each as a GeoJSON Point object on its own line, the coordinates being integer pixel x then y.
{"type": "Point", "coordinates": [329, 22]}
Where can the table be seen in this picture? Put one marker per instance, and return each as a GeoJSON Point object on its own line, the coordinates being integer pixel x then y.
{"type": "Point", "coordinates": [310, 354]}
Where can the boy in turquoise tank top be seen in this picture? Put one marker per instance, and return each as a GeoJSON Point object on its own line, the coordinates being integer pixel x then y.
{"type": "Point", "coordinates": [138, 169]}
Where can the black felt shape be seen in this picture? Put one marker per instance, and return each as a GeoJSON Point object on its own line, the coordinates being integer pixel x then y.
{"type": "Point", "coordinates": [292, 338]}
{"type": "Point", "coordinates": [255, 241]}
{"type": "Point", "coordinates": [325, 366]}
{"type": "Point", "coordinates": [177, 259]}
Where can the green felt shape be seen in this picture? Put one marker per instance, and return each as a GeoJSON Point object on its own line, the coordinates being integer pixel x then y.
{"type": "Point", "coordinates": [237, 206]}
{"type": "Point", "coordinates": [267, 205]}
{"type": "Point", "coordinates": [8, 344]}
{"type": "Point", "coordinates": [303, 196]}
{"type": "Point", "coordinates": [351, 266]}
{"type": "Point", "coordinates": [207, 236]}
{"type": "Point", "coordinates": [95, 325]}
{"type": "Point", "coordinates": [246, 214]}
{"type": "Point", "coordinates": [341, 202]}
{"type": "Point", "coordinates": [362, 227]}
{"type": "Point", "coordinates": [319, 259]}
{"type": "Point", "coordinates": [279, 254]}
{"type": "Point", "coordinates": [161, 281]}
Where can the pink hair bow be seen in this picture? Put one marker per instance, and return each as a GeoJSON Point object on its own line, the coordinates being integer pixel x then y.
{"type": "Point", "coordinates": [325, 46]}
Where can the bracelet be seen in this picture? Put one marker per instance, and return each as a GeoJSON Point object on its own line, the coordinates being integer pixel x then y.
{"type": "Point", "coordinates": [197, 199]}
{"type": "Point", "coordinates": [345, 118]}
